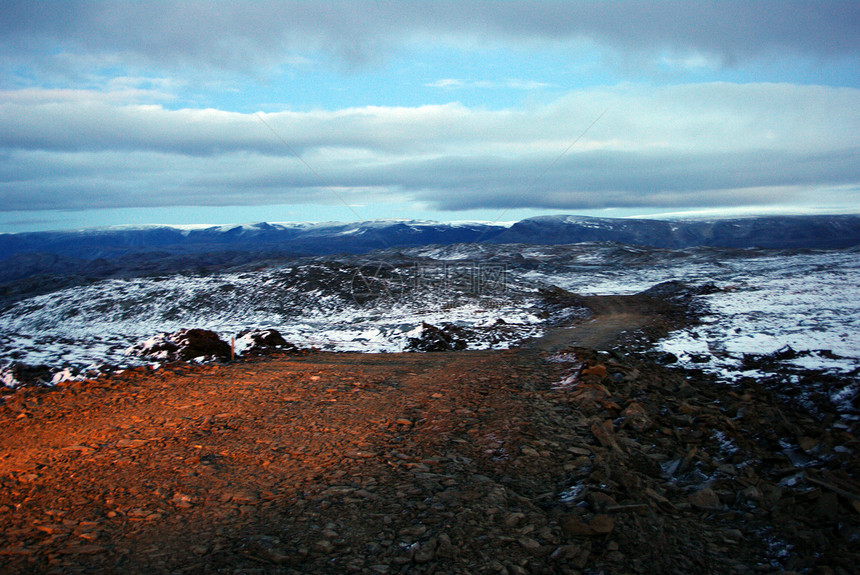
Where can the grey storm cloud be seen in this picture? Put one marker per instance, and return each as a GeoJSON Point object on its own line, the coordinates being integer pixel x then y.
{"type": "Point", "coordinates": [244, 35]}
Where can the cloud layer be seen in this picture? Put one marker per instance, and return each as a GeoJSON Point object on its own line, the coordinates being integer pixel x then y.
{"type": "Point", "coordinates": [240, 35]}
{"type": "Point", "coordinates": [702, 144]}
{"type": "Point", "coordinates": [124, 104]}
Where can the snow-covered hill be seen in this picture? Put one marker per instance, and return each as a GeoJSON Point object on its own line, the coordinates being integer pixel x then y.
{"type": "Point", "coordinates": [323, 303]}
{"type": "Point", "coordinates": [778, 232]}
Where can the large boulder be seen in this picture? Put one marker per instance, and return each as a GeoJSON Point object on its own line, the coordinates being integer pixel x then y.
{"type": "Point", "coordinates": [679, 289]}
{"type": "Point", "coordinates": [20, 374]}
{"type": "Point", "coordinates": [183, 345]}
{"type": "Point", "coordinates": [559, 306]}
{"type": "Point", "coordinates": [432, 338]}
{"type": "Point", "coordinates": [262, 342]}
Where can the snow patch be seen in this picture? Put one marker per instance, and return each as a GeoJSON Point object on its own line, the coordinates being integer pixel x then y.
{"type": "Point", "coordinates": [805, 301]}
{"type": "Point", "coordinates": [65, 375]}
{"type": "Point", "coordinates": [7, 378]}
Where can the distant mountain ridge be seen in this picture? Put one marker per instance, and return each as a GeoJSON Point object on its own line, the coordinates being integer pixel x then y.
{"type": "Point", "coordinates": [775, 232]}
{"type": "Point", "coordinates": [299, 238]}
{"type": "Point", "coordinates": [157, 249]}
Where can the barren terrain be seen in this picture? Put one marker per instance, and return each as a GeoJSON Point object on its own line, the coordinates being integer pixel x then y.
{"type": "Point", "coordinates": [563, 456]}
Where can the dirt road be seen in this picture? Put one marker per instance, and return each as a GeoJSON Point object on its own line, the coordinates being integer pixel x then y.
{"type": "Point", "coordinates": [614, 321]}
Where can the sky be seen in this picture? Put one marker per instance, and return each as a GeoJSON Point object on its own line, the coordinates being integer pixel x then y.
{"type": "Point", "coordinates": [161, 112]}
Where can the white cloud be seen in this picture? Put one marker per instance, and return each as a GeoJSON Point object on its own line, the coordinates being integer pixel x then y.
{"type": "Point", "coordinates": [701, 118]}
{"type": "Point", "coordinates": [707, 145]}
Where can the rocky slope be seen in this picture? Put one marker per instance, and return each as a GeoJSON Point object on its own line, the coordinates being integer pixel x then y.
{"type": "Point", "coordinates": [574, 460]}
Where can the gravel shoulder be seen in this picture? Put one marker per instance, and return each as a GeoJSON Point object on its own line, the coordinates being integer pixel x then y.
{"type": "Point", "coordinates": [564, 456]}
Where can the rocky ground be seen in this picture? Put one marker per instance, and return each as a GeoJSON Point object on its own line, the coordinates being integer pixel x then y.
{"type": "Point", "coordinates": [574, 454]}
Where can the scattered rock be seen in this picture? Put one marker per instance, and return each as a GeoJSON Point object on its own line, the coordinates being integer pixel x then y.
{"type": "Point", "coordinates": [454, 463]}
{"type": "Point", "coordinates": [597, 371]}
{"type": "Point", "coordinates": [529, 543]}
{"type": "Point", "coordinates": [705, 499]}
{"type": "Point", "coordinates": [445, 549]}
{"type": "Point", "coordinates": [574, 526]}
{"type": "Point", "coordinates": [602, 524]}
{"type": "Point", "coordinates": [636, 417]}
{"type": "Point", "coordinates": [529, 451]}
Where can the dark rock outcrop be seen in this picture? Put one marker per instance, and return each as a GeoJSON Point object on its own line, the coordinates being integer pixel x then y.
{"type": "Point", "coordinates": [264, 341]}
{"type": "Point", "coordinates": [183, 345]}
{"type": "Point", "coordinates": [432, 338]}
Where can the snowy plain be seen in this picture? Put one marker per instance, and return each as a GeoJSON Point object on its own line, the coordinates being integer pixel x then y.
{"type": "Point", "coordinates": [767, 300]}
